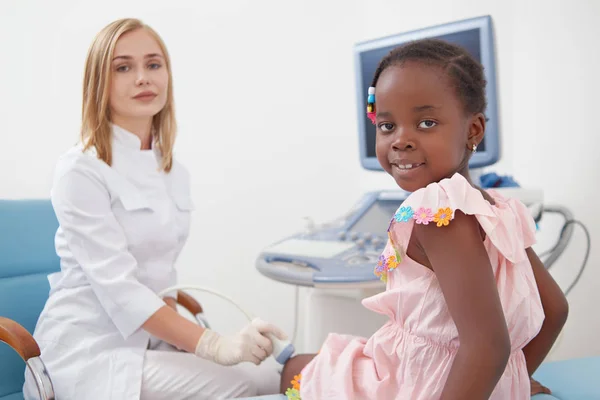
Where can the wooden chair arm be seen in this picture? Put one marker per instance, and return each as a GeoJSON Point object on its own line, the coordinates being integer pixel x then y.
{"type": "Point", "coordinates": [18, 338]}
{"type": "Point", "coordinates": [189, 303]}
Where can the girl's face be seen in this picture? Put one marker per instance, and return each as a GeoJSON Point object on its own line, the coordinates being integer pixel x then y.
{"type": "Point", "coordinates": [423, 133]}
{"type": "Point", "coordinates": [140, 79]}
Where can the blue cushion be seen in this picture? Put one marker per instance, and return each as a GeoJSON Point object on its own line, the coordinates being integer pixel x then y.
{"type": "Point", "coordinates": [14, 396]}
{"type": "Point", "coordinates": [575, 379]}
{"type": "Point", "coordinates": [27, 237]}
{"type": "Point", "coordinates": [27, 257]}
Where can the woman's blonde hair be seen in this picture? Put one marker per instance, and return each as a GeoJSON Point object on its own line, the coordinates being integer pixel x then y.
{"type": "Point", "coordinates": [96, 120]}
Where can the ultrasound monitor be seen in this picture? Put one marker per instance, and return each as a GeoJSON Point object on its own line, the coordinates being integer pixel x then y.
{"type": "Point", "coordinates": [476, 36]}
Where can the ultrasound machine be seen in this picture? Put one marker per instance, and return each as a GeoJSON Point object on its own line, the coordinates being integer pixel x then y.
{"type": "Point", "coordinates": [334, 262]}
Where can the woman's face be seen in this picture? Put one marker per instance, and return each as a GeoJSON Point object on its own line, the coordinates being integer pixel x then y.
{"type": "Point", "coordinates": [140, 79]}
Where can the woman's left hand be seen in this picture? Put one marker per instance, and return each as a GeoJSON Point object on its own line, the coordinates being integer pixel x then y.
{"type": "Point", "coordinates": [537, 388]}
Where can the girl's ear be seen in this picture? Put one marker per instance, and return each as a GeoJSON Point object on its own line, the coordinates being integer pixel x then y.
{"type": "Point", "coordinates": [476, 130]}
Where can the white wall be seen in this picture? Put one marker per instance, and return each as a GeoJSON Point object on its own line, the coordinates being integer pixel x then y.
{"type": "Point", "coordinates": [266, 104]}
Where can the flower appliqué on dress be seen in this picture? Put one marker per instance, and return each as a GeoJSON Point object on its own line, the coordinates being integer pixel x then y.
{"type": "Point", "coordinates": [443, 216]}
{"type": "Point", "coordinates": [404, 214]}
{"type": "Point", "coordinates": [423, 216]}
{"type": "Point", "coordinates": [296, 382]}
{"type": "Point", "coordinates": [293, 393]}
{"type": "Point", "coordinates": [385, 265]}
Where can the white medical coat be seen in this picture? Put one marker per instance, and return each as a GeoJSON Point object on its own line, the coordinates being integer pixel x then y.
{"type": "Point", "coordinates": [121, 231]}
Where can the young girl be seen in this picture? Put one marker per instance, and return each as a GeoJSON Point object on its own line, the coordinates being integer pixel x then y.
{"type": "Point", "coordinates": [472, 310]}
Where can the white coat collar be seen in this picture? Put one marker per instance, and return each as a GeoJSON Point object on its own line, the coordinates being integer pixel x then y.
{"type": "Point", "coordinates": [127, 138]}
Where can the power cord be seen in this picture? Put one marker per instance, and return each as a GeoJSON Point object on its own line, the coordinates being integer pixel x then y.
{"type": "Point", "coordinates": [282, 349]}
{"type": "Point", "coordinates": [579, 273]}
{"type": "Point", "coordinates": [586, 256]}
{"type": "Point", "coordinates": [551, 255]}
{"type": "Point", "coordinates": [559, 247]}
{"type": "Point", "coordinates": [246, 313]}
{"type": "Point", "coordinates": [553, 248]}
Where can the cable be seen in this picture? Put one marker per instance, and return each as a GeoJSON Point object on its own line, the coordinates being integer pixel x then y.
{"type": "Point", "coordinates": [564, 237]}
{"type": "Point", "coordinates": [579, 273]}
{"type": "Point", "coordinates": [245, 312]}
{"type": "Point", "coordinates": [207, 290]}
{"type": "Point", "coordinates": [585, 258]}
{"type": "Point", "coordinates": [550, 250]}
{"type": "Point", "coordinates": [562, 242]}
{"type": "Point", "coordinates": [282, 349]}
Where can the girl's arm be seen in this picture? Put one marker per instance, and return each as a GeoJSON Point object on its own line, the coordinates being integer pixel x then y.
{"type": "Point", "coordinates": [556, 310]}
{"type": "Point", "coordinates": [461, 264]}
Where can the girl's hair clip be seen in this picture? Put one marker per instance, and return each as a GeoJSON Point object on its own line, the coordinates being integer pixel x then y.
{"type": "Point", "coordinates": [371, 104]}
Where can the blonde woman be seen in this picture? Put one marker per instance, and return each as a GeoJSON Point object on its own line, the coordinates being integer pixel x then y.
{"type": "Point", "coordinates": [123, 205]}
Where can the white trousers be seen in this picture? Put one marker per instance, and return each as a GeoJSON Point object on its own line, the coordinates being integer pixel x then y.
{"type": "Point", "coordinates": [174, 375]}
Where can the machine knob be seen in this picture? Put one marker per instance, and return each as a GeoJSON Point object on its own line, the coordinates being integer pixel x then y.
{"type": "Point", "coordinates": [342, 235]}
{"type": "Point", "coordinates": [361, 242]}
{"type": "Point", "coordinates": [353, 235]}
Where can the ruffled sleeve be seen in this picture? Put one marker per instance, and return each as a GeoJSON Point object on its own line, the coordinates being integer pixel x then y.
{"type": "Point", "coordinates": [524, 218]}
{"type": "Point", "coordinates": [507, 223]}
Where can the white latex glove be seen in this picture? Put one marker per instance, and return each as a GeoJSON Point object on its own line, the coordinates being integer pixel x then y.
{"type": "Point", "coordinates": [249, 344]}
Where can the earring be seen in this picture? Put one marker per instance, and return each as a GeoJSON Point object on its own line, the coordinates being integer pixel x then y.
{"type": "Point", "coordinates": [474, 147]}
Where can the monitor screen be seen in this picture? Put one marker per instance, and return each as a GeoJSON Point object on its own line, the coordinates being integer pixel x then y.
{"type": "Point", "coordinates": [377, 218]}
{"type": "Point", "coordinates": [474, 35]}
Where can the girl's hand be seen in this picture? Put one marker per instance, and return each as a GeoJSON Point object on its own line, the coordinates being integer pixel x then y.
{"type": "Point", "coordinates": [537, 388]}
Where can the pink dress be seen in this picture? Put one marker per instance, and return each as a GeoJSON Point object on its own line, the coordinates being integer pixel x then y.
{"type": "Point", "coordinates": [409, 357]}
